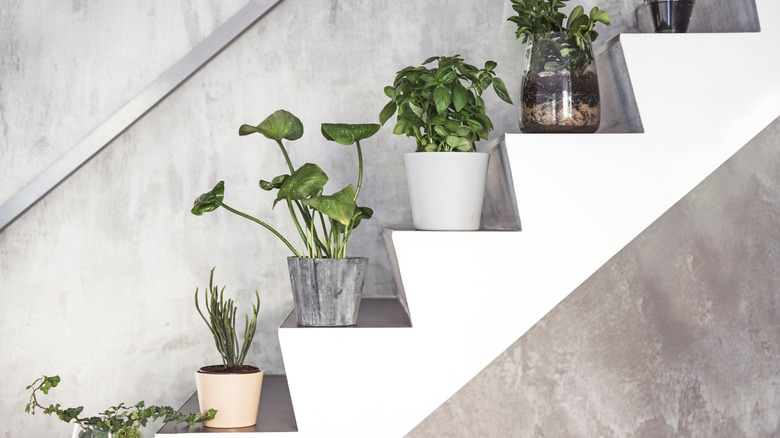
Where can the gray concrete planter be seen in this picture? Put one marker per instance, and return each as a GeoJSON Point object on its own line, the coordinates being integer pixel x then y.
{"type": "Point", "coordinates": [327, 292]}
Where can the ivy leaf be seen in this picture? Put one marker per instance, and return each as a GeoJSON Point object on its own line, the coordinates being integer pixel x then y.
{"type": "Point", "coordinates": [281, 124]}
{"type": "Point", "coordinates": [307, 181]}
{"type": "Point", "coordinates": [442, 99]}
{"type": "Point", "coordinates": [209, 201]}
{"type": "Point", "coordinates": [339, 206]}
{"type": "Point", "coordinates": [348, 134]}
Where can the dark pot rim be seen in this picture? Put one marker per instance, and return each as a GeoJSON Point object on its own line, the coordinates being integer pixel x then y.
{"type": "Point", "coordinates": [204, 370]}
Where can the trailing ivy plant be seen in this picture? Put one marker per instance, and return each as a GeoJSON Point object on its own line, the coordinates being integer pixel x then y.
{"type": "Point", "coordinates": [221, 322]}
{"type": "Point", "coordinates": [442, 106]}
{"type": "Point", "coordinates": [574, 47]}
{"type": "Point", "coordinates": [324, 222]}
{"type": "Point", "coordinates": [121, 421]}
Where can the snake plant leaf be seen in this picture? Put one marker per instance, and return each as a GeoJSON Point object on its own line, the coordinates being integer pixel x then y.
{"type": "Point", "coordinates": [339, 206]}
{"type": "Point", "coordinates": [281, 124]}
{"type": "Point", "coordinates": [307, 181]}
{"type": "Point", "coordinates": [274, 183]}
{"type": "Point", "coordinates": [209, 201]}
{"type": "Point", "coordinates": [348, 134]}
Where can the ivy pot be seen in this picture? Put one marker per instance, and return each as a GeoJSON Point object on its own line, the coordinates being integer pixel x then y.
{"type": "Point", "coordinates": [560, 87]}
{"type": "Point", "coordinates": [670, 16]}
{"type": "Point", "coordinates": [446, 189]}
{"type": "Point", "coordinates": [234, 393]}
{"type": "Point", "coordinates": [327, 292]}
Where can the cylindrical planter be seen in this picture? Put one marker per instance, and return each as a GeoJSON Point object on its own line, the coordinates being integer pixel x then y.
{"type": "Point", "coordinates": [236, 396]}
{"type": "Point", "coordinates": [670, 16]}
{"type": "Point", "coordinates": [327, 292]}
{"type": "Point", "coordinates": [446, 189]}
{"type": "Point", "coordinates": [560, 87]}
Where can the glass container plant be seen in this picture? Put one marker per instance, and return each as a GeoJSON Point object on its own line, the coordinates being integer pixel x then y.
{"type": "Point", "coordinates": [442, 108]}
{"type": "Point", "coordinates": [324, 223]}
{"type": "Point", "coordinates": [560, 89]}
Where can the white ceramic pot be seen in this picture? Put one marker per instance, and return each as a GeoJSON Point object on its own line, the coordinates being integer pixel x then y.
{"type": "Point", "coordinates": [235, 396]}
{"type": "Point", "coordinates": [446, 189]}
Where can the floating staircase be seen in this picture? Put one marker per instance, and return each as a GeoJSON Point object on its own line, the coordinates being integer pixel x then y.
{"type": "Point", "coordinates": [578, 200]}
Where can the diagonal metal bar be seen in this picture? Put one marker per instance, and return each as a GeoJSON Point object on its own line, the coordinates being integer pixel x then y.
{"type": "Point", "coordinates": [132, 111]}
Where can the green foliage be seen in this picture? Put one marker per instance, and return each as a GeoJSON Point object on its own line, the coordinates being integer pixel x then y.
{"type": "Point", "coordinates": [122, 421]}
{"type": "Point", "coordinates": [302, 189]}
{"type": "Point", "coordinates": [572, 47]}
{"type": "Point", "coordinates": [222, 324]}
{"type": "Point", "coordinates": [442, 106]}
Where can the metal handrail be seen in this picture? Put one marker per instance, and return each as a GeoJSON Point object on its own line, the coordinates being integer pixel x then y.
{"type": "Point", "coordinates": [132, 111]}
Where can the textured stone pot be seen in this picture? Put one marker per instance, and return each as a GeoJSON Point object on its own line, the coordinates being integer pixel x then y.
{"type": "Point", "coordinates": [446, 189]}
{"type": "Point", "coordinates": [235, 395]}
{"type": "Point", "coordinates": [327, 292]}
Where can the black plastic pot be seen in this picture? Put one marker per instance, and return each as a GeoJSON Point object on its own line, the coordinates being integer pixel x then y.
{"type": "Point", "coordinates": [670, 16]}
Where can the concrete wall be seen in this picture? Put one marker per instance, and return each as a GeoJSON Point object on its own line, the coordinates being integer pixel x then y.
{"type": "Point", "coordinates": [676, 336]}
{"type": "Point", "coordinates": [98, 277]}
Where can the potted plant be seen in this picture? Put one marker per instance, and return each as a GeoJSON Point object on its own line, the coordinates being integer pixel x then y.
{"type": "Point", "coordinates": [326, 284]}
{"type": "Point", "coordinates": [670, 16]}
{"type": "Point", "coordinates": [560, 88]}
{"type": "Point", "coordinates": [442, 108]}
{"type": "Point", "coordinates": [233, 389]}
{"type": "Point", "coordinates": [115, 422]}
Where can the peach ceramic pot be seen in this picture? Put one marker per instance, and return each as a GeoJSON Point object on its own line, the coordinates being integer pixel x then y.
{"type": "Point", "coordinates": [236, 397]}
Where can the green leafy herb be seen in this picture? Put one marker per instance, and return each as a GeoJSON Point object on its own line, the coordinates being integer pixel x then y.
{"type": "Point", "coordinates": [442, 106]}
{"type": "Point", "coordinates": [121, 420]}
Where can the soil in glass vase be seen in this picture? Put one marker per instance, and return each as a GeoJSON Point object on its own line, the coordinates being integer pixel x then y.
{"type": "Point", "coordinates": [560, 87]}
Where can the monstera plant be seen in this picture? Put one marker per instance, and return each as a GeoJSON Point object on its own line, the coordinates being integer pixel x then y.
{"type": "Point", "coordinates": [324, 223]}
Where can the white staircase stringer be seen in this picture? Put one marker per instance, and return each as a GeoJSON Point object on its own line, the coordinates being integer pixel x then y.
{"type": "Point", "coordinates": [581, 198]}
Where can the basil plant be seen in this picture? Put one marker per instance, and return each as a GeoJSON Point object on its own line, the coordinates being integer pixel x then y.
{"type": "Point", "coordinates": [324, 222]}
{"type": "Point", "coordinates": [442, 106]}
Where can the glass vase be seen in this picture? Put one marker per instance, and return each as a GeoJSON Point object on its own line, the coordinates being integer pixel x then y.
{"type": "Point", "coordinates": [560, 87]}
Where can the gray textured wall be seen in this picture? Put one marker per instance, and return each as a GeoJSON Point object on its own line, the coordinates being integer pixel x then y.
{"type": "Point", "coordinates": [98, 277]}
{"type": "Point", "coordinates": [676, 336]}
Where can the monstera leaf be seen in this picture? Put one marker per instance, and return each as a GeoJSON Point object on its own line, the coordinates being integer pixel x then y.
{"type": "Point", "coordinates": [339, 206]}
{"type": "Point", "coordinates": [281, 124]}
{"type": "Point", "coordinates": [307, 181]}
{"type": "Point", "coordinates": [348, 134]}
{"type": "Point", "coordinates": [209, 201]}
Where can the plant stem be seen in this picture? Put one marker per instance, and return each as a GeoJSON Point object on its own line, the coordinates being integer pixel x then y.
{"type": "Point", "coordinates": [268, 227]}
{"type": "Point", "coordinates": [286, 157]}
{"type": "Point", "coordinates": [360, 169]}
{"type": "Point", "coordinates": [298, 226]}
